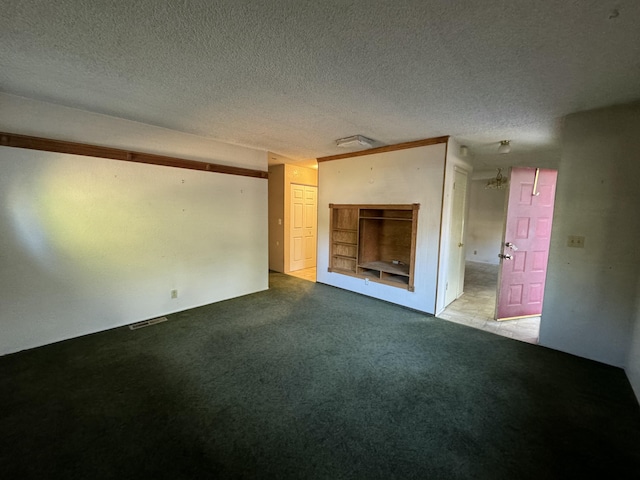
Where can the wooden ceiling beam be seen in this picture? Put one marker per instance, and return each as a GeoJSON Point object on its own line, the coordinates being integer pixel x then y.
{"type": "Point", "coordinates": [73, 148]}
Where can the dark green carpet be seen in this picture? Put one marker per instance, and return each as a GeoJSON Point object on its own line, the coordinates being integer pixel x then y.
{"type": "Point", "coordinates": [308, 381]}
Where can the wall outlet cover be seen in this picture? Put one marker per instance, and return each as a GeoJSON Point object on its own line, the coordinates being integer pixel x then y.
{"type": "Point", "coordinates": [575, 241]}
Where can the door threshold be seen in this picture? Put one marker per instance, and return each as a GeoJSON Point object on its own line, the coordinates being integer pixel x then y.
{"type": "Point", "coordinates": [518, 317]}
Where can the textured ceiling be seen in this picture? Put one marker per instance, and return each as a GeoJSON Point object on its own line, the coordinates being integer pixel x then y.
{"type": "Point", "coordinates": [292, 76]}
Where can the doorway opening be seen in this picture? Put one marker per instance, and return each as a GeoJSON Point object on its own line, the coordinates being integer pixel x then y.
{"type": "Point", "coordinates": [476, 307]}
{"type": "Point", "coordinates": [508, 240]}
{"type": "Point", "coordinates": [293, 219]}
{"type": "Point", "coordinates": [305, 274]}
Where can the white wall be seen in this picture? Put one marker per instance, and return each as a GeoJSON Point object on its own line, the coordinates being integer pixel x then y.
{"type": "Point", "coordinates": [90, 244]}
{"type": "Point", "coordinates": [486, 223]}
{"type": "Point", "coordinates": [402, 177]}
{"type": "Point", "coordinates": [590, 295]}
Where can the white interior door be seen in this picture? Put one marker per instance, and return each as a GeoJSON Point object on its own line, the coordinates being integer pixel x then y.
{"type": "Point", "coordinates": [310, 226]}
{"type": "Point", "coordinates": [303, 227]}
{"type": "Point", "coordinates": [455, 265]}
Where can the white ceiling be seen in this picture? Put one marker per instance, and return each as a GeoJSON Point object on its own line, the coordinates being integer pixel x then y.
{"type": "Point", "coordinates": [292, 76]}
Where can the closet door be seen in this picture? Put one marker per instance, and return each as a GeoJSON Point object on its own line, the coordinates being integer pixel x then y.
{"type": "Point", "coordinates": [303, 228]}
{"type": "Point", "coordinates": [310, 226]}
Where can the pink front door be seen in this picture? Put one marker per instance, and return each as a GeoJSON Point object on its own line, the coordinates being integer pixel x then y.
{"type": "Point", "coordinates": [525, 250]}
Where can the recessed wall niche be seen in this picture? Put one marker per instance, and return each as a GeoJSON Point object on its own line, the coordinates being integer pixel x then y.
{"type": "Point", "coordinates": [374, 242]}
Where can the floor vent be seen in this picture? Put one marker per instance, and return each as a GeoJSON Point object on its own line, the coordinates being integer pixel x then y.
{"type": "Point", "coordinates": [147, 323]}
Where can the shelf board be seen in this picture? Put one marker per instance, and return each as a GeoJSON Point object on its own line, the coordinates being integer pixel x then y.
{"type": "Point", "coordinates": [343, 271]}
{"type": "Point", "coordinates": [401, 279]}
{"type": "Point", "coordinates": [345, 229]}
{"type": "Point", "coordinates": [388, 218]}
{"type": "Point", "coordinates": [349, 244]}
{"type": "Point", "coordinates": [387, 267]}
{"type": "Point", "coordinates": [344, 256]}
{"type": "Point", "coordinates": [369, 273]}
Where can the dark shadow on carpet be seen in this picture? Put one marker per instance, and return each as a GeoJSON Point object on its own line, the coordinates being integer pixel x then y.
{"type": "Point", "coordinates": [309, 381]}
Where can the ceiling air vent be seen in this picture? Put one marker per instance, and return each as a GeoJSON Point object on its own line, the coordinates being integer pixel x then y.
{"type": "Point", "coordinates": [354, 141]}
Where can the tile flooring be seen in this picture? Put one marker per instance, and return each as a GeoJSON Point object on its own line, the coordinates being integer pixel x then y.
{"type": "Point", "coordinates": [305, 274]}
{"type": "Point", "coordinates": [475, 308]}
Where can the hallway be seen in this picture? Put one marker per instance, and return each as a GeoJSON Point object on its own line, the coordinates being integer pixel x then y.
{"type": "Point", "coordinates": [475, 308]}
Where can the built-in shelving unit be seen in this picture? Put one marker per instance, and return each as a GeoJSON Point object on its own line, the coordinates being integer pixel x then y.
{"type": "Point", "coordinates": [375, 242]}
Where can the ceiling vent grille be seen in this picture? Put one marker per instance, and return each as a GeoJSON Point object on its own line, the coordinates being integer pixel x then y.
{"type": "Point", "coordinates": [354, 141]}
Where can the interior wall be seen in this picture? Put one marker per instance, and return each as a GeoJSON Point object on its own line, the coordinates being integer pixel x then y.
{"type": "Point", "coordinates": [399, 177]}
{"type": "Point", "coordinates": [90, 244]}
{"type": "Point", "coordinates": [486, 222]}
{"type": "Point", "coordinates": [591, 295]}
{"type": "Point", "coordinates": [632, 366]}
{"type": "Point", "coordinates": [276, 218]}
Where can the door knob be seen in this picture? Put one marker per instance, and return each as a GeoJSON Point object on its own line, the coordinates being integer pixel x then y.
{"type": "Point", "coordinates": [461, 244]}
{"type": "Point", "coordinates": [505, 257]}
{"type": "Point", "coordinates": [511, 246]}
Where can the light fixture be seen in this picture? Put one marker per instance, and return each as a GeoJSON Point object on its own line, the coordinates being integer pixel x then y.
{"type": "Point", "coordinates": [354, 141]}
{"type": "Point", "coordinates": [497, 183]}
{"type": "Point", "coordinates": [505, 146]}
{"type": "Point", "coordinates": [464, 150]}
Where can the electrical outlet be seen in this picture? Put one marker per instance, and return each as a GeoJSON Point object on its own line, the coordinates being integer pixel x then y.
{"type": "Point", "coordinates": [174, 293]}
{"type": "Point", "coordinates": [366, 281]}
{"type": "Point", "coordinates": [575, 241]}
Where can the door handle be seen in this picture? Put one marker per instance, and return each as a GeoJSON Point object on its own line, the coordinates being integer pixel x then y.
{"type": "Point", "coordinates": [505, 257]}
{"type": "Point", "coordinates": [461, 244]}
{"type": "Point", "coordinates": [511, 246]}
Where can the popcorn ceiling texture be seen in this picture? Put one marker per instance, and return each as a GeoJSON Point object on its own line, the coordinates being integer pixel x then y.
{"type": "Point", "coordinates": [291, 76]}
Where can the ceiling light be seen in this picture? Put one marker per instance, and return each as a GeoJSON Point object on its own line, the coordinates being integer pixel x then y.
{"type": "Point", "coordinates": [354, 141]}
{"type": "Point", "coordinates": [505, 146]}
{"type": "Point", "coordinates": [497, 183]}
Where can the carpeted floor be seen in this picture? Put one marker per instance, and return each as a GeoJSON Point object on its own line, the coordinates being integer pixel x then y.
{"type": "Point", "coordinates": [308, 381]}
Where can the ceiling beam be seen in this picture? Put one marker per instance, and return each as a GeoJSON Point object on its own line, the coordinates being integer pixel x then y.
{"type": "Point", "coordinates": [387, 148]}
{"type": "Point", "coordinates": [73, 148]}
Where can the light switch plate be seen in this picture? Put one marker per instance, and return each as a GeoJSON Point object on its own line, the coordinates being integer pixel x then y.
{"type": "Point", "coordinates": [575, 241]}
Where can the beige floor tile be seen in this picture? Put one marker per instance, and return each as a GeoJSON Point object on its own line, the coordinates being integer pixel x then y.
{"type": "Point", "coordinates": [476, 306]}
{"type": "Point", "coordinates": [305, 274]}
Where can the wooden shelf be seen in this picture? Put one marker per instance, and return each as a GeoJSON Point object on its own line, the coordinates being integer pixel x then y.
{"type": "Point", "coordinates": [367, 239]}
{"type": "Point", "coordinates": [402, 280]}
{"type": "Point", "coordinates": [387, 267]}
